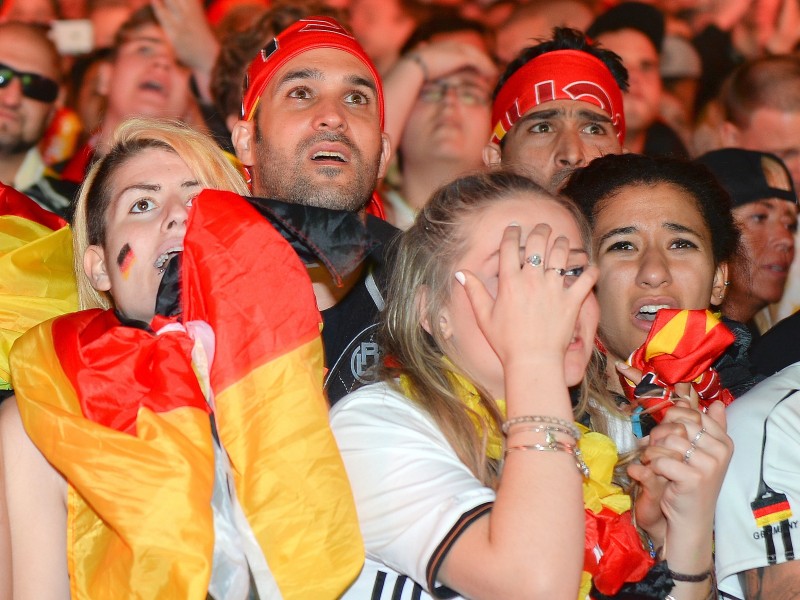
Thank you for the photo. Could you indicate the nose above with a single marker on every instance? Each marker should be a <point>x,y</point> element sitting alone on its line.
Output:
<point>330,114</point>
<point>784,239</point>
<point>176,214</point>
<point>569,150</point>
<point>653,269</point>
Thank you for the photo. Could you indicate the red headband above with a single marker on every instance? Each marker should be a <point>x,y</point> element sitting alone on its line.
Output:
<point>304,35</point>
<point>558,75</point>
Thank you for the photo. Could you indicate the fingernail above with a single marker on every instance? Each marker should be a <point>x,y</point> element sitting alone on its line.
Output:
<point>513,224</point>
<point>621,365</point>
<point>460,277</point>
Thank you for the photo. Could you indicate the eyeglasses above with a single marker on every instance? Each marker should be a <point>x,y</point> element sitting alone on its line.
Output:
<point>467,93</point>
<point>35,87</point>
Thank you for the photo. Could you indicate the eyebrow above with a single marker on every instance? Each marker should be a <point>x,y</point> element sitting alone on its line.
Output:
<point>629,229</point>
<point>319,75</point>
<point>155,187</point>
<point>549,113</point>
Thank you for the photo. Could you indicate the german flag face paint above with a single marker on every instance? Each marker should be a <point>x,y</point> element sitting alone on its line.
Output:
<point>125,260</point>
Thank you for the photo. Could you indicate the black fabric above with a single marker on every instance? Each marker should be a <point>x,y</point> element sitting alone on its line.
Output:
<point>656,584</point>
<point>660,140</point>
<point>735,367</point>
<point>338,239</point>
<point>168,297</point>
<point>55,195</point>
<point>350,327</point>
<point>741,173</point>
<point>778,347</point>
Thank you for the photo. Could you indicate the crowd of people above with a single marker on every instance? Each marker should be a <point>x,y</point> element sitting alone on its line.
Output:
<point>399,299</point>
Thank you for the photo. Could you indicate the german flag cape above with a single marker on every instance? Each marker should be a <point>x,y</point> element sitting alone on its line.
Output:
<point>36,275</point>
<point>120,412</point>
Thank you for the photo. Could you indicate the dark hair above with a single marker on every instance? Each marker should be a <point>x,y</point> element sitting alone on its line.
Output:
<point>768,82</point>
<point>606,176</point>
<point>445,20</point>
<point>238,48</point>
<point>565,38</point>
<point>139,18</point>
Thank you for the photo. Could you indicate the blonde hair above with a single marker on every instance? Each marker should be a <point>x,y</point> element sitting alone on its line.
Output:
<point>420,287</point>
<point>203,157</point>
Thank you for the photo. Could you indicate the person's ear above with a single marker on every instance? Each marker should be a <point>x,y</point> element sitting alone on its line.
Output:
<point>424,318</point>
<point>243,138</point>
<point>492,156</point>
<point>721,283</point>
<point>386,154</point>
<point>94,265</point>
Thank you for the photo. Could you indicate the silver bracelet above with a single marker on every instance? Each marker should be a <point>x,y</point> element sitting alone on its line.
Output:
<point>544,429</point>
<point>554,446</point>
<point>574,431</point>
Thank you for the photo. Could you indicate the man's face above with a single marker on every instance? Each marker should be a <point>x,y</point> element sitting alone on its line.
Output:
<point>640,57</point>
<point>555,138</point>
<point>770,130</point>
<point>316,138</point>
<point>23,120</point>
<point>449,122</point>
<point>146,78</point>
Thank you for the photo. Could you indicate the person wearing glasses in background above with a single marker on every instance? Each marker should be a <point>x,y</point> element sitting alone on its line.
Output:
<point>438,109</point>
<point>30,80</point>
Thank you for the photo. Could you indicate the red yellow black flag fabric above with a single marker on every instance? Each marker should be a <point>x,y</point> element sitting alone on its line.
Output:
<point>122,413</point>
<point>37,281</point>
<point>681,347</point>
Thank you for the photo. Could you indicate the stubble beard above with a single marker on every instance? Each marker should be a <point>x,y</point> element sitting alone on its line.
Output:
<point>282,177</point>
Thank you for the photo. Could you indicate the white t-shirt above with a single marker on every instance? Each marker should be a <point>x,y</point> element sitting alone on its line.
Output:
<point>771,408</point>
<point>413,495</point>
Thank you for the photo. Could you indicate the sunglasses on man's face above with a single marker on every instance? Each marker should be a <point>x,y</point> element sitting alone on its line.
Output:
<point>35,87</point>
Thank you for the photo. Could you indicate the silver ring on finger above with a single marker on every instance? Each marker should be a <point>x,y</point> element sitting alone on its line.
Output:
<point>559,272</point>
<point>534,260</point>
<point>689,452</point>
<point>698,435</point>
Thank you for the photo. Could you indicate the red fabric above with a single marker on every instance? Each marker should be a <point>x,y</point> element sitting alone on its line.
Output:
<point>18,204</point>
<point>304,35</point>
<point>115,369</point>
<point>623,557</point>
<point>228,249</point>
<point>666,360</point>
<point>558,75</point>
<point>76,168</point>
<point>233,251</point>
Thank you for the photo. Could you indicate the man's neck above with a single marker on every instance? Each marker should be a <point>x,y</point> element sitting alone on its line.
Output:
<point>9,167</point>
<point>327,293</point>
<point>420,180</point>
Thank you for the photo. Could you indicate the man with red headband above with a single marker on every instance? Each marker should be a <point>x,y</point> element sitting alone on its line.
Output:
<point>558,106</point>
<point>311,134</point>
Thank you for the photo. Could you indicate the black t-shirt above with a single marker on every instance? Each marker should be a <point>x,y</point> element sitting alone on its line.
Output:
<point>350,326</point>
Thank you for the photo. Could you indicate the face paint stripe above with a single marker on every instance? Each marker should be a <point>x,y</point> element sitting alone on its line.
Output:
<point>125,260</point>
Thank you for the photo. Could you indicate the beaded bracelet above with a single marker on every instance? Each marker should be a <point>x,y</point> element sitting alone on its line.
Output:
<point>545,429</point>
<point>554,446</point>
<point>574,431</point>
<point>413,56</point>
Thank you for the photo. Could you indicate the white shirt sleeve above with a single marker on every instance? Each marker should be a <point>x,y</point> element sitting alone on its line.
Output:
<point>413,495</point>
<point>741,544</point>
